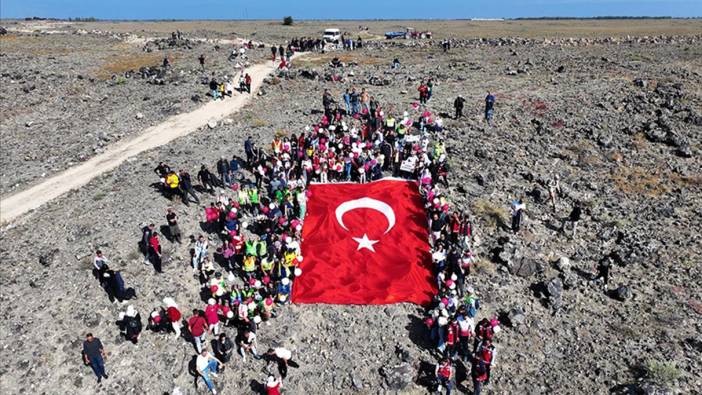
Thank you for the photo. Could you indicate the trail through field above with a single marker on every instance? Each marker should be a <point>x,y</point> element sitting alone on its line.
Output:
<point>19,203</point>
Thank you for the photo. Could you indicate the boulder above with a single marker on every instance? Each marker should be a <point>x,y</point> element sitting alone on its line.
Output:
<point>622,293</point>
<point>554,287</point>
<point>516,316</point>
<point>398,377</point>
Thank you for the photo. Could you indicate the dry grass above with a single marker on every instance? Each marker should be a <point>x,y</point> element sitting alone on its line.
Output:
<point>259,123</point>
<point>492,214</point>
<point>122,63</point>
<point>639,181</point>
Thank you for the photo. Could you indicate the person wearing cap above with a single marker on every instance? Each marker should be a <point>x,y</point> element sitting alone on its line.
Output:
<point>207,364</point>
<point>212,316</point>
<point>197,326</point>
<point>284,291</point>
<point>94,355</point>
<point>223,348</point>
<point>246,341</point>
<point>273,385</point>
<point>282,356</point>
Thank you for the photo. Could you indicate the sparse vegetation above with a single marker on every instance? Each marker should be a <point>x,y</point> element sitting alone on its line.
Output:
<point>490,213</point>
<point>288,21</point>
<point>662,373</point>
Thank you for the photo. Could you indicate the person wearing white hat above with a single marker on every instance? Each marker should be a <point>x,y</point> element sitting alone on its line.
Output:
<point>174,315</point>
<point>212,316</point>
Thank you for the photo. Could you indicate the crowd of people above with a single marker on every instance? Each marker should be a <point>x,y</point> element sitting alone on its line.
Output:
<point>248,256</point>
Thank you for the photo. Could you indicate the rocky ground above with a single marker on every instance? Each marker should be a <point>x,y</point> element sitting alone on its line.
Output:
<point>67,96</point>
<point>620,123</point>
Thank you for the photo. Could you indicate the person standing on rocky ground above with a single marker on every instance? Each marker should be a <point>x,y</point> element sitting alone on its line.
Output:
<point>327,102</point>
<point>197,326</point>
<point>489,107</point>
<point>281,52</point>
<point>247,83</point>
<point>573,218</point>
<point>249,151</point>
<point>223,170</point>
<point>186,186</point>
<point>479,374</point>
<point>155,251</point>
<point>201,59</point>
<point>223,348</point>
<point>274,49</point>
<point>214,87</point>
<point>94,355</point>
<point>423,92</point>
<point>206,179</point>
<point>603,267</point>
<point>283,357</point>
<point>430,89</point>
<point>166,63</point>
<point>458,106</point>
<point>554,189</point>
<point>365,99</point>
<point>347,101</point>
<point>146,233</point>
<point>212,316</point>
<point>173,228</point>
<point>444,374</point>
<point>517,209</point>
<point>100,265</point>
<point>207,364</point>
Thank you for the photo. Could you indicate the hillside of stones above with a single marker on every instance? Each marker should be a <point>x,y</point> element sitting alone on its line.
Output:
<point>66,97</point>
<point>620,128</point>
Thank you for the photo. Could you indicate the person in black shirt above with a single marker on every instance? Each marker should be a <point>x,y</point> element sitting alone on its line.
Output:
<point>186,186</point>
<point>574,218</point>
<point>205,178</point>
<point>202,62</point>
<point>94,354</point>
<point>458,106</point>
<point>146,233</point>
<point>173,229</point>
<point>223,348</point>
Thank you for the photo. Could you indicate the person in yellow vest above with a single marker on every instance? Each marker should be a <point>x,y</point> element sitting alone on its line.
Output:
<point>172,184</point>
<point>250,266</point>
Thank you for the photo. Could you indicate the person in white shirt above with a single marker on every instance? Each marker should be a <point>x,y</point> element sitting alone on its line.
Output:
<point>207,364</point>
<point>283,357</point>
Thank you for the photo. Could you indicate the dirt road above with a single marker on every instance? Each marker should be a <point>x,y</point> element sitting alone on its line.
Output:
<point>19,203</point>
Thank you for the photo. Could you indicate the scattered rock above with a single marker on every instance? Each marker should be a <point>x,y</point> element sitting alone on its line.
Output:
<point>139,115</point>
<point>622,293</point>
<point>212,124</point>
<point>398,377</point>
<point>516,316</point>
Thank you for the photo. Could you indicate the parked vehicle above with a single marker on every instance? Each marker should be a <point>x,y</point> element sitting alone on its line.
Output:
<point>332,36</point>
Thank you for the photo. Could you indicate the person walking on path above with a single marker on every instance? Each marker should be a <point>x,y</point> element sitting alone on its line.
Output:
<point>94,355</point>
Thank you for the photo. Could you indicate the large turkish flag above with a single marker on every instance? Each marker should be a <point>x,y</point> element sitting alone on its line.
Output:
<point>365,244</point>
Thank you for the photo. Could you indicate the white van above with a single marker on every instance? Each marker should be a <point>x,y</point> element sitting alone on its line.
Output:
<point>332,36</point>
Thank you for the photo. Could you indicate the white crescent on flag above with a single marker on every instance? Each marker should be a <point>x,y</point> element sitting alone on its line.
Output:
<point>366,202</point>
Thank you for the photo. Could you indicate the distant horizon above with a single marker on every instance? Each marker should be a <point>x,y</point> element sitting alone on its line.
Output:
<point>544,18</point>
<point>371,10</point>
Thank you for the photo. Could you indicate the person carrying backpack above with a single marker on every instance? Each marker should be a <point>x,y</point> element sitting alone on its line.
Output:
<point>132,324</point>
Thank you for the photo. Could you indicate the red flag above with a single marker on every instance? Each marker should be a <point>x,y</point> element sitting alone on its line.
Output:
<point>365,244</point>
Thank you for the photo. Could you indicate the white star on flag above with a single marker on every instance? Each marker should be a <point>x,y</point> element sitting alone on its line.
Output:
<point>364,242</point>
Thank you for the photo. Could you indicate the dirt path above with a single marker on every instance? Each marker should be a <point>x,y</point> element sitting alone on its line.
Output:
<point>19,203</point>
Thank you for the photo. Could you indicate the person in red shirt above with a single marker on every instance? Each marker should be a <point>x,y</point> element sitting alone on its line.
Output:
<point>155,251</point>
<point>273,385</point>
<point>423,92</point>
<point>197,325</point>
<point>247,82</point>
<point>174,315</point>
